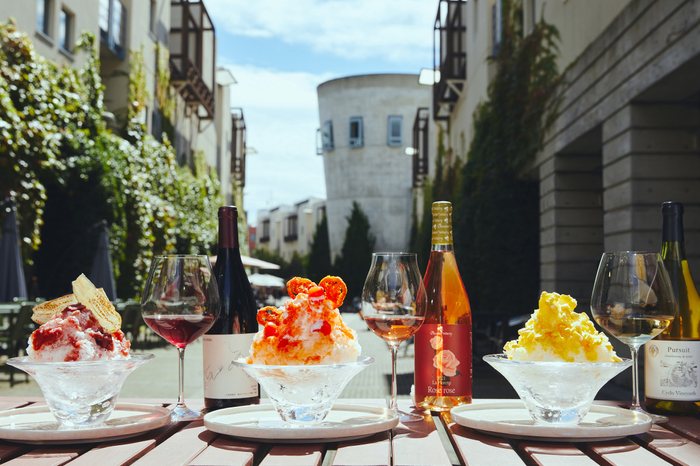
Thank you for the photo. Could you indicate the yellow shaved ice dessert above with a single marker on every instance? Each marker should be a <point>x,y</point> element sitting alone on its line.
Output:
<point>556,333</point>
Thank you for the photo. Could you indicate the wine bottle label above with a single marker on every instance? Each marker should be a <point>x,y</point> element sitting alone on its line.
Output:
<point>671,370</point>
<point>223,380</point>
<point>442,223</point>
<point>443,360</point>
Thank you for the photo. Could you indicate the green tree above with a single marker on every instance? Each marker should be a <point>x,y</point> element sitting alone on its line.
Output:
<point>320,254</point>
<point>356,255</point>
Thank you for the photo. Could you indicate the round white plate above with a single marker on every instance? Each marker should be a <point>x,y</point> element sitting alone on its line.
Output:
<point>511,419</point>
<point>262,423</point>
<point>37,425</point>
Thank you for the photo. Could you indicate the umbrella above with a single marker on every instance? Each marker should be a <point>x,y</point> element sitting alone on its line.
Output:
<point>261,279</point>
<point>12,284</point>
<point>251,262</point>
<point>102,273</point>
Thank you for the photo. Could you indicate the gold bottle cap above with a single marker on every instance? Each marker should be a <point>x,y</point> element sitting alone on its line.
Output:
<point>442,223</point>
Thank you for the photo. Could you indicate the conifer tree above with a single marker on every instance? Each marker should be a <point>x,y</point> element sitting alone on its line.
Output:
<point>356,255</point>
<point>320,254</point>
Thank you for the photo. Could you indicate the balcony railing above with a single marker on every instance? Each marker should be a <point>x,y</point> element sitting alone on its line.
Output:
<point>193,55</point>
<point>291,237</point>
<point>449,56</point>
<point>420,146</point>
<point>238,146</point>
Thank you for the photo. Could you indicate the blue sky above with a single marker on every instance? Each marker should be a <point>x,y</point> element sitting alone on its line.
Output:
<point>279,51</point>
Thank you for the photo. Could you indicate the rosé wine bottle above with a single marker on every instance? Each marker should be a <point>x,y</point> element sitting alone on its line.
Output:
<point>443,346</point>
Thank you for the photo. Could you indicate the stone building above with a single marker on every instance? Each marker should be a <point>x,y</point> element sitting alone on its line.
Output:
<point>365,129</point>
<point>287,229</point>
<point>626,138</point>
<point>202,120</point>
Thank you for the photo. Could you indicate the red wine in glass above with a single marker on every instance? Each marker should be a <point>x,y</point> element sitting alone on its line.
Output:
<point>179,330</point>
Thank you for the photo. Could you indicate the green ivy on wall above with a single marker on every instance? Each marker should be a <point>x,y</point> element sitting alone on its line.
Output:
<point>496,202</point>
<point>67,172</point>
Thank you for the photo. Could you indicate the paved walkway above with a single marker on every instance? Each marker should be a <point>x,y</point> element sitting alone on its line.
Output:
<point>158,378</point>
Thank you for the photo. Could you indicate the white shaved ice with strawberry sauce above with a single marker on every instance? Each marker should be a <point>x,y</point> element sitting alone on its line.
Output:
<point>75,335</point>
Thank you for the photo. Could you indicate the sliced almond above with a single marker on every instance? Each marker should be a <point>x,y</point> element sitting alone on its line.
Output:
<point>44,311</point>
<point>98,302</point>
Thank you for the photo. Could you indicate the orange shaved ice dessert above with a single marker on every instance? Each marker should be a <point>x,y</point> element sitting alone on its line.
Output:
<point>308,329</point>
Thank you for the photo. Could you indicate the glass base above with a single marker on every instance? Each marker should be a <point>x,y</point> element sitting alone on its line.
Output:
<point>655,418</point>
<point>182,413</point>
<point>409,417</point>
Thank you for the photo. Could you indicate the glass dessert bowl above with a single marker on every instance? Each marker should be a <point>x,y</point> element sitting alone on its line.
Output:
<point>304,394</point>
<point>556,392</point>
<point>81,393</point>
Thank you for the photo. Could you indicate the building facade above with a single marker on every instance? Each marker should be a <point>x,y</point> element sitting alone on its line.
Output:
<point>366,125</point>
<point>625,139</point>
<point>289,229</point>
<point>155,29</point>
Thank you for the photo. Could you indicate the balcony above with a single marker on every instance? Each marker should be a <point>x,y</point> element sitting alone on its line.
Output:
<point>193,55</point>
<point>420,146</point>
<point>450,30</point>
<point>238,146</point>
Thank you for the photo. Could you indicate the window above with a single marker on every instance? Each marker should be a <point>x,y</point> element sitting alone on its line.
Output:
<point>290,228</point>
<point>265,235</point>
<point>496,27</point>
<point>356,132</point>
<point>43,16</point>
<point>395,130</point>
<point>112,20</point>
<point>65,31</point>
<point>533,14</point>
<point>152,17</point>
<point>327,136</point>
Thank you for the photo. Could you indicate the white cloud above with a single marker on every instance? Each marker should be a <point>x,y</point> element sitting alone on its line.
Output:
<point>394,30</point>
<point>281,113</point>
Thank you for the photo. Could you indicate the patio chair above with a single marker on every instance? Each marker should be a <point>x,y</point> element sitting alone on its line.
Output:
<point>16,339</point>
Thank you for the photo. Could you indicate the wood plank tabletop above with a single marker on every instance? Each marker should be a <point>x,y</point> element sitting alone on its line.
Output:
<point>434,441</point>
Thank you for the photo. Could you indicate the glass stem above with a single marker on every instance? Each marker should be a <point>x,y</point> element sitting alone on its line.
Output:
<point>181,377</point>
<point>635,380</point>
<point>394,354</point>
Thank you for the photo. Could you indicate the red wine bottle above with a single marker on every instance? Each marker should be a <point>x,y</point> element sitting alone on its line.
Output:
<point>232,334</point>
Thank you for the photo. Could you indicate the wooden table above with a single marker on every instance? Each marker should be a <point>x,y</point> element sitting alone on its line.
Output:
<point>436,441</point>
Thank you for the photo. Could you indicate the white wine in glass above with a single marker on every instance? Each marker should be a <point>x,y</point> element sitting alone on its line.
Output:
<point>633,301</point>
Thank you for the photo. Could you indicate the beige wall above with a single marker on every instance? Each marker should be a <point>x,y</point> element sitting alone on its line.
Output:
<point>309,212</point>
<point>579,22</point>
<point>85,14</point>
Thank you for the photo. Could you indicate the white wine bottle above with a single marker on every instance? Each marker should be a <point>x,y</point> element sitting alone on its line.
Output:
<point>443,361</point>
<point>672,359</point>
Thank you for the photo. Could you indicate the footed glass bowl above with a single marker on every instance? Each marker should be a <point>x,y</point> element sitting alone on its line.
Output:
<point>556,392</point>
<point>304,394</point>
<point>81,393</point>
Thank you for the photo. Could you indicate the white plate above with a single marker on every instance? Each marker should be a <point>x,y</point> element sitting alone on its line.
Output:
<point>37,425</point>
<point>262,423</point>
<point>511,419</point>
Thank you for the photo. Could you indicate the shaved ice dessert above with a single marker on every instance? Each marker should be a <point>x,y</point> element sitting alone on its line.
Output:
<point>83,326</point>
<point>308,329</point>
<point>79,356</point>
<point>74,334</point>
<point>556,333</point>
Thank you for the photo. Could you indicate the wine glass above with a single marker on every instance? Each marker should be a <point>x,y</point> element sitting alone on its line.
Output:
<point>180,303</point>
<point>393,305</point>
<point>633,300</point>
